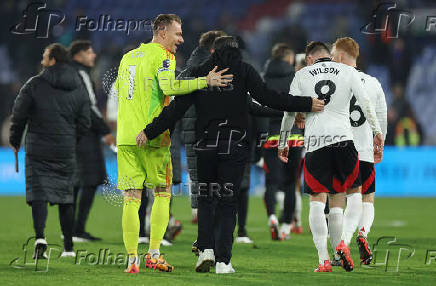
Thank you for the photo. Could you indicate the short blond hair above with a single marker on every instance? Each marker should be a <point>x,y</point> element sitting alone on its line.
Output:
<point>164,20</point>
<point>348,45</point>
<point>281,51</point>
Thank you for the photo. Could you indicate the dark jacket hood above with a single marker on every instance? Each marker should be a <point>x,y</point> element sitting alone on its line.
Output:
<point>229,57</point>
<point>198,56</point>
<point>61,76</point>
<point>278,68</point>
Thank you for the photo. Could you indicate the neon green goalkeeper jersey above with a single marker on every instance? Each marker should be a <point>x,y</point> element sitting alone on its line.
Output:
<point>145,82</point>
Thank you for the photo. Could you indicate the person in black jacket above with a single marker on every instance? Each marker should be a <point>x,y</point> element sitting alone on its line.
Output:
<point>222,132</point>
<point>198,56</point>
<point>91,169</point>
<point>278,75</point>
<point>56,114</point>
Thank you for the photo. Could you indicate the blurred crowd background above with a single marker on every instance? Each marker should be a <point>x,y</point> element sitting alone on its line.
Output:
<point>405,65</point>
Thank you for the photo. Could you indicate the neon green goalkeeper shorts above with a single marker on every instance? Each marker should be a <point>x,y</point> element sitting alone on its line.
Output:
<point>140,168</point>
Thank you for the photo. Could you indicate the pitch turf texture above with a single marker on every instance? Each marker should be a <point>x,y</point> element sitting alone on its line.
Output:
<point>267,262</point>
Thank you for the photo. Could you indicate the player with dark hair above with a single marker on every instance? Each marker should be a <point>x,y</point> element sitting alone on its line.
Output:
<point>145,82</point>
<point>91,168</point>
<point>331,162</point>
<point>56,114</point>
<point>279,176</point>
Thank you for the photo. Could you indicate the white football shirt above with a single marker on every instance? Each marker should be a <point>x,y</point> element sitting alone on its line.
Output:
<point>335,83</point>
<point>362,133</point>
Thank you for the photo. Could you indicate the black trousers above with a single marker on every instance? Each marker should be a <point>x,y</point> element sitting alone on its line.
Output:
<point>87,195</point>
<point>243,211</point>
<point>39,215</point>
<point>281,176</point>
<point>219,178</point>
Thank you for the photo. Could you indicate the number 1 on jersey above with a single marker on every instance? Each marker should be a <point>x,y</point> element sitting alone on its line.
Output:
<point>132,71</point>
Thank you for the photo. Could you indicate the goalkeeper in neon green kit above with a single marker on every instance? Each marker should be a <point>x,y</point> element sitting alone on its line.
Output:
<point>145,82</point>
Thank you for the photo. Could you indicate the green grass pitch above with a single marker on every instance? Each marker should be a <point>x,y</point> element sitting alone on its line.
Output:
<point>411,221</point>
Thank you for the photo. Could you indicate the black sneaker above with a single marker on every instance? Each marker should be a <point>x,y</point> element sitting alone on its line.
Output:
<point>335,262</point>
<point>40,248</point>
<point>173,231</point>
<point>85,237</point>
<point>364,250</point>
<point>195,249</point>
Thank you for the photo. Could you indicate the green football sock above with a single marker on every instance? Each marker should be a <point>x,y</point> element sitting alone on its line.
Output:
<point>160,214</point>
<point>130,224</point>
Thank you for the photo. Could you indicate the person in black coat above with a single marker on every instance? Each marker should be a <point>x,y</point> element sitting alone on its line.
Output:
<point>278,75</point>
<point>91,168</point>
<point>198,56</point>
<point>222,134</point>
<point>56,114</point>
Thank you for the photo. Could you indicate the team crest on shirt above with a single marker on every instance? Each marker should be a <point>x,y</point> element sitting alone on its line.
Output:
<point>166,64</point>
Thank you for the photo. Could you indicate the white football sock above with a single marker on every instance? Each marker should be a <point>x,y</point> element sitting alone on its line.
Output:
<point>352,214</point>
<point>194,212</point>
<point>280,199</point>
<point>272,220</point>
<point>285,228</point>
<point>298,208</point>
<point>336,218</point>
<point>319,229</point>
<point>134,259</point>
<point>155,253</point>
<point>367,218</point>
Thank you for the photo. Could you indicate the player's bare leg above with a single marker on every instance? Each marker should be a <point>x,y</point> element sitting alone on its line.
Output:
<point>158,224</point>
<point>365,224</point>
<point>318,225</point>
<point>130,225</point>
